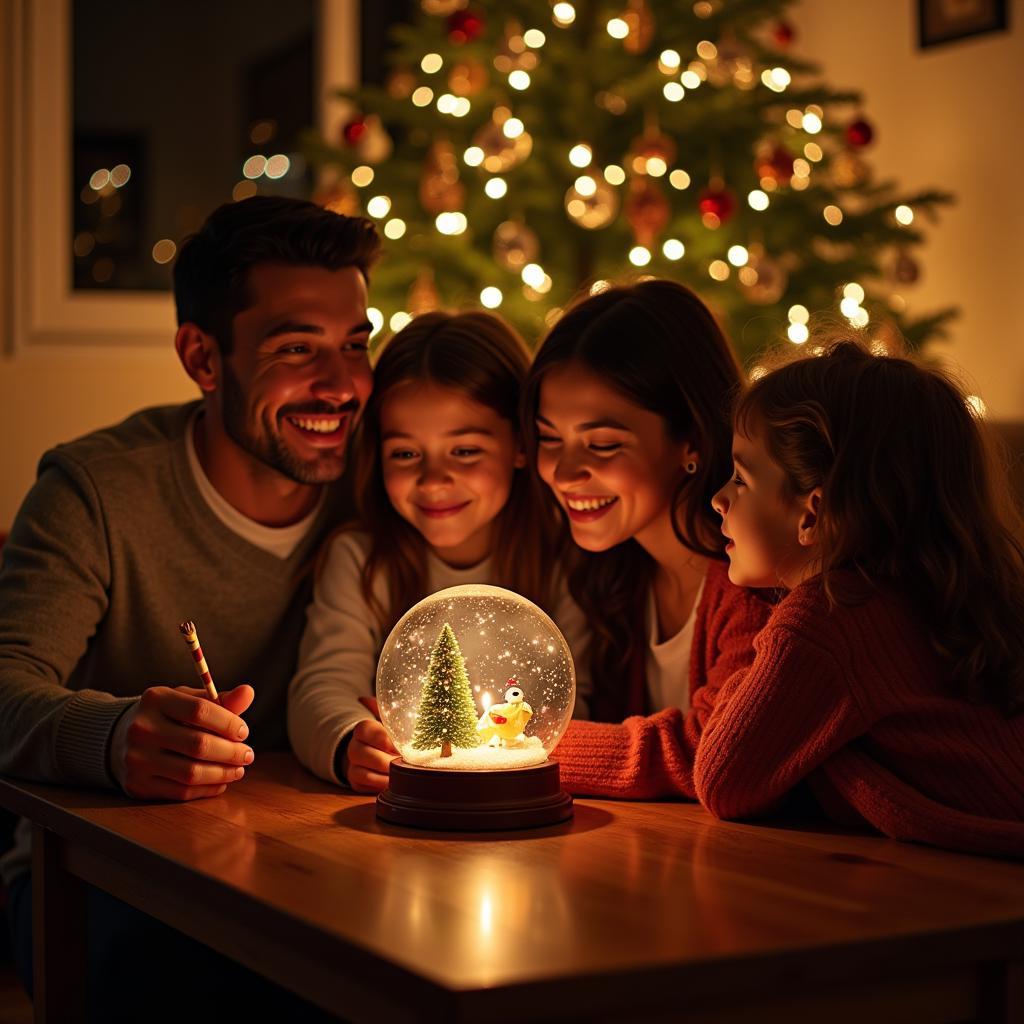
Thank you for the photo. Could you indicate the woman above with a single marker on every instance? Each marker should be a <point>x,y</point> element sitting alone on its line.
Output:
<point>627,411</point>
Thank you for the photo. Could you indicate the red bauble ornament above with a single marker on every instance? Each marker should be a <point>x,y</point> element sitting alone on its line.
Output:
<point>775,162</point>
<point>783,34</point>
<point>859,133</point>
<point>465,26</point>
<point>717,202</point>
<point>904,269</point>
<point>354,130</point>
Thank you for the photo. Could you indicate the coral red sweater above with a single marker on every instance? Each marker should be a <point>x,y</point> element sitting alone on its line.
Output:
<point>855,700</point>
<point>647,757</point>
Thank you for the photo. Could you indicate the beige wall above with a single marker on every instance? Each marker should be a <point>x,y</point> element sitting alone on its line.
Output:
<point>55,396</point>
<point>950,117</point>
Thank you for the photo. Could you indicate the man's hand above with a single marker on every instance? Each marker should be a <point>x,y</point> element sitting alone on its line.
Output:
<point>369,755</point>
<point>176,744</point>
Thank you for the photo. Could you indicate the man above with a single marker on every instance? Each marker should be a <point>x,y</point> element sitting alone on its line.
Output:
<point>210,511</point>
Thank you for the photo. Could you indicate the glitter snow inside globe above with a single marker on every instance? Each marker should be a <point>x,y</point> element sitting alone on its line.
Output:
<point>475,686</point>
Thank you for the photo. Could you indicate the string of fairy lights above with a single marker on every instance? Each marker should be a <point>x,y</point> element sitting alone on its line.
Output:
<point>599,190</point>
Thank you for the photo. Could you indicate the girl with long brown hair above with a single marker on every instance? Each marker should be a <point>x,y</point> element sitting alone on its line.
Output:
<point>891,676</point>
<point>627,412</point>
<point>443,500</point>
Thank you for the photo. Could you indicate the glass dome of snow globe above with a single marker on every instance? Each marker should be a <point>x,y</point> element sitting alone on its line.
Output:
<point>475,686</point>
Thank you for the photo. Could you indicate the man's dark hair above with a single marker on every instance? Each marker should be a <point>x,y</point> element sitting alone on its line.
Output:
<point>212,269</point>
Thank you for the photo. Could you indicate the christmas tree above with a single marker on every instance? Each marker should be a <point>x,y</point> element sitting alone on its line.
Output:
<point>447,714</point>
<point>525,150</point>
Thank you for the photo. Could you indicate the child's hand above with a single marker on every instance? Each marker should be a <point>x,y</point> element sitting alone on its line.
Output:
<point>370,753</point>
<point>175,744</point>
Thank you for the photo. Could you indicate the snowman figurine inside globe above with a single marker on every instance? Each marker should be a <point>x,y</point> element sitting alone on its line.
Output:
<point>475,686</point>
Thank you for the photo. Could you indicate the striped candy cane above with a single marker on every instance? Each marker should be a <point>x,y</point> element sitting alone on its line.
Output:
<point>188,631</point>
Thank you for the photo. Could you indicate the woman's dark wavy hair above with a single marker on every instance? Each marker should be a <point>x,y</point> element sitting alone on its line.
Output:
<point>479,355</point>
<point>915,497</point>
<point>211,273</point>
<point>657,344</point>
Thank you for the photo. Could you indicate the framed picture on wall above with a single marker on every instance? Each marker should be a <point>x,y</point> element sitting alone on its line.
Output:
<point>945,21</point>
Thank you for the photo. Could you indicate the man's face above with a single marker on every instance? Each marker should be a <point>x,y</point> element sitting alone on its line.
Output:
<point>298,376</point>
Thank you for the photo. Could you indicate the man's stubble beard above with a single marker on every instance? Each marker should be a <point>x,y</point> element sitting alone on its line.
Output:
<point>268,447</point>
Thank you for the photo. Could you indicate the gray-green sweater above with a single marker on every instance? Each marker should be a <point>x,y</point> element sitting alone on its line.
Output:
<point>112,548</point>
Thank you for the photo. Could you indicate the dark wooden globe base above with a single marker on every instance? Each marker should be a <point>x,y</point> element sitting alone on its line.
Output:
<point>474,801</point>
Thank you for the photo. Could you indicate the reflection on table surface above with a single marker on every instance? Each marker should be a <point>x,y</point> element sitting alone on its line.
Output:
<point>623,886</point>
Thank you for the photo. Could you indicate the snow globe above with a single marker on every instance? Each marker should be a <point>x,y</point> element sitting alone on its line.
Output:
<point>475,686</point>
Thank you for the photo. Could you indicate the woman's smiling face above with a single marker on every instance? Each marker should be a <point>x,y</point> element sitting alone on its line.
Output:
<point>610,463</point>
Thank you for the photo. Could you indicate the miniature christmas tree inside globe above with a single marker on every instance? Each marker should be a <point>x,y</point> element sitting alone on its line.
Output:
<point>475,678</point>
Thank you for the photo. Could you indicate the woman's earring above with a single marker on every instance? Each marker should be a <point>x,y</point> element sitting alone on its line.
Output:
<point>691,467</point>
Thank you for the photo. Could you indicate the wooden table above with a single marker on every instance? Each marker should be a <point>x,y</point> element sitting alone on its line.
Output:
<point>633,911</point>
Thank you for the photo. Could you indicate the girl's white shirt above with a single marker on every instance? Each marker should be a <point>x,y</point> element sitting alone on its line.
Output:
<point>668,663</point>
<point>342,641</point>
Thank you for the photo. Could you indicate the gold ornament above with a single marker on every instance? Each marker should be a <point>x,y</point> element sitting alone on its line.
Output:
<point>641,27</point>
<point>652,145</point>
<point>744,76</point>
<point>440,188</point>
<point>595,207</point>
<point>763,279</point>
<point>374,144</point>
<point>500,152</point>
<point>848,169</point>
<point>515,245</point>
<point>647,210</point>
<point>468,77</point>
<point>514,54</point>
<point>732,63</point>
<point>612,102</point>
<point>423,296</point>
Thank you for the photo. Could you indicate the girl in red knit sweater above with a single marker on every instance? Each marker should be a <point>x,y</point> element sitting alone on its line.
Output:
<point>891,676</point>
<point>628,403</point>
